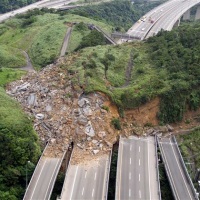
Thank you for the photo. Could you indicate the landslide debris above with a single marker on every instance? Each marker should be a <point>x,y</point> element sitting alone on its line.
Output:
<point>63,114</point>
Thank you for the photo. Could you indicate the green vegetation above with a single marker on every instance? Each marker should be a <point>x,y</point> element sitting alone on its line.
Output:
<point>189,145</point>
<point>166,192</point>
<point>175,57</point>
<point>40,34</point>
<point>116,123</point>
<point>113,172</point>
<point>166,66</point>
<point>11,57</point>
<point>19,144</point>
<point>8,75</point>
<point>120,14</point>
<point>9,5</point>
<point>94,38</point>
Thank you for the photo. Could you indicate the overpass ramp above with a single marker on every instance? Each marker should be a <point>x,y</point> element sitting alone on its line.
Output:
<point>180,182</point>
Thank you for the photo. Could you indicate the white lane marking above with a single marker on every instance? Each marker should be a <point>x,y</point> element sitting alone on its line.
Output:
<point>139,177</point>
<point>180,170</point>
<point>139,162</point>
<point>140,194</point>
<point>129,192</point>
<point>129,175</point>
<point>38,179</point>
<point>162,149</point>
<point>139,148</point>
<point>149,172</point>
<point>83,191</point>
<point>50,181</point>
<point>93,192</point>
<point>130,147</point>
<point>85,174</point>
<point>73,183</point>
<point>130,161</point>
<point>95,176</point>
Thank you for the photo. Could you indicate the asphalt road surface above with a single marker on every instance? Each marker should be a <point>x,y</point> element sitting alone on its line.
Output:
<point>87,181</point>
<point>136,170</point>
<point>43,180</point>
<point>39,4</point>
<point>177,177</point>
<point>161,17</point>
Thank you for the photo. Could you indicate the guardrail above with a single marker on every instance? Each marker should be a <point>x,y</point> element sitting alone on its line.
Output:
<point>105,34</point>
<point>35,169</point>
<point>156,149</point>
<point>167,172</point>
<point>108,174</point>
<point>185,169</point>
<point>58,170</point>
<point>117,174</point>
<point>58,198</point>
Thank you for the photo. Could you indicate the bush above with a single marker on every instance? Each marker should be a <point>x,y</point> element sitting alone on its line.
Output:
<point>116,123</point>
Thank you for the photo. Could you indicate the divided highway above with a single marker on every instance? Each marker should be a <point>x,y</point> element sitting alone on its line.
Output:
<point>87,180</point>
<point>137,169</point>
<point>181,187</point>
<point>162,17</point>
<point>39,4</point>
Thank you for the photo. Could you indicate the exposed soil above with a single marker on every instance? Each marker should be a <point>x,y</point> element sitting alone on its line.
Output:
<point>63,114</point>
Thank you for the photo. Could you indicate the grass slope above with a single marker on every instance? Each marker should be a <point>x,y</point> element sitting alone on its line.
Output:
<point>40,34</point>
<point>8,75</point>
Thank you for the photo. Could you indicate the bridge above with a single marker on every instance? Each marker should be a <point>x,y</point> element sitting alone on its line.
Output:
<point>44,176</point>
<point>87,179</point>
<point>163,17</point>
<point>137,169</point>
<point>179,179</point>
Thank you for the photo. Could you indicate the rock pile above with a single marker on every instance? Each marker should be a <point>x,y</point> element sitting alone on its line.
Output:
<point>62,114</point>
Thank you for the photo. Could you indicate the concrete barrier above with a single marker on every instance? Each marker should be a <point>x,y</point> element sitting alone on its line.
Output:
<point>185,169</point>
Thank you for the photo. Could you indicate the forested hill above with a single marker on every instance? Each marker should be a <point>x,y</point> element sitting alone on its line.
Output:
<point>121,14</point>
<point>176,54</point>
<point>8,5</point>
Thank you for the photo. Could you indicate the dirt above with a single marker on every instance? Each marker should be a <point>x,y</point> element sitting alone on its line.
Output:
<point>63,114</point>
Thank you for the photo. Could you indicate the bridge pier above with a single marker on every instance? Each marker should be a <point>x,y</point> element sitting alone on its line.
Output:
<point>186,15</point>
<point>197,15</point>
<point>177,22</point>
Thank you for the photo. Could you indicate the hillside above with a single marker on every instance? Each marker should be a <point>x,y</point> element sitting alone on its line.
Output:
<point>19,144</point>
<point>131,88</point>
<point>40,34</point>
<point>119,14</point>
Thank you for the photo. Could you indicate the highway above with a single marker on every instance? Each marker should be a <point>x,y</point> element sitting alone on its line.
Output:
<point>87,180</point>
<point>162,17</point>
<point>136,169</point>
<point>43,179</point>
<point>39,4</point>
<point>181,188</point>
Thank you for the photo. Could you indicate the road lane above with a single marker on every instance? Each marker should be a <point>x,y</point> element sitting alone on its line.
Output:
<point>136,178</point>
<point>88,180</point>
<point>176,173</point>
<point>42,183</point>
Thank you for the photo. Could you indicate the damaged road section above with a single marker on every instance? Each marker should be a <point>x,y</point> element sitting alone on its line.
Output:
<point>62,114</point>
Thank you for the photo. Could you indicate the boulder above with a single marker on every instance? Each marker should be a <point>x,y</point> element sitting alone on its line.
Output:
<point>39,116</point>
<point>83,102</point>
<point>48,108</point>
<point>87,111</point>
<point>95,151</point>
<point>81,120</point>
<point>89,130</point>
